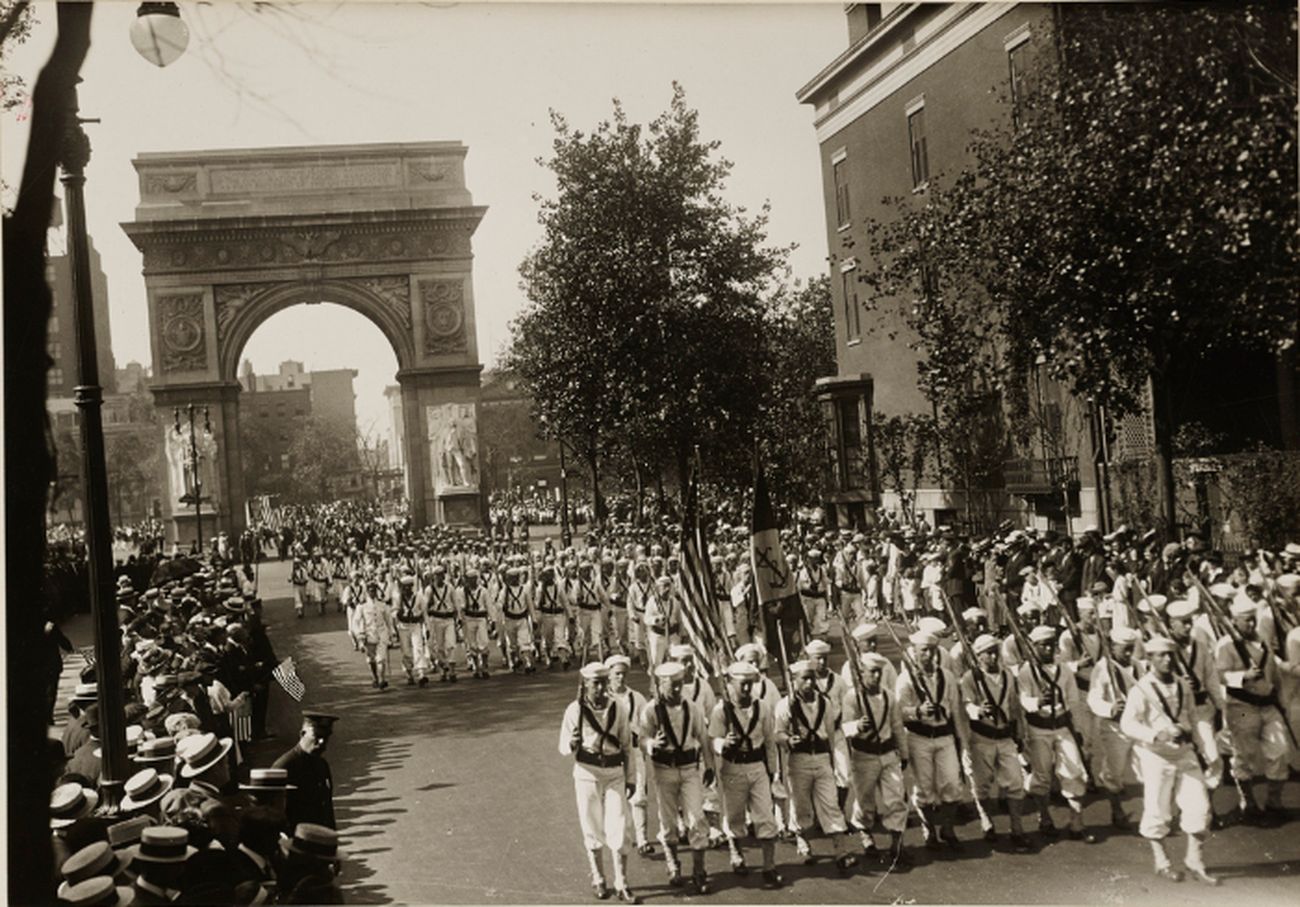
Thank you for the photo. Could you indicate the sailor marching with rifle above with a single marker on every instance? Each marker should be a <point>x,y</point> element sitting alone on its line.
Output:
<point>805,726</point>
<point>1112,679</point>
<point>514,602</point>
<point>1159,715</point>
<point>590,606</point>
<point>674,733</point>
<point>1047,694</point>
<point>743,735</point>
<point>634,703</point>
<point>410,616</point>
<point>928,697</point>
<point>440,604</point>
<point>814,592</point>
<point>597,732</point>
<point>992,702</point>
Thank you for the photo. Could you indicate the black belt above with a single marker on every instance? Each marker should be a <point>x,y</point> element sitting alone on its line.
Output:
<point>928,730</point>
<point>409,620</point>
<point>1201,697</point>
<point>1047,724</point>
<point>1253,698</point>
<point>812,747</point>
<point>675,759</point>
<point>602,760</point>
<point>551,610</point>
<point>1082,682</point>
<point>443,616</point>
<point>852,590</point>
<point>743,757</point>
<point>812,594</point>
<point>585,607</point>
<point>988,730</point>
<point>874,747</point>
<point>509,616</point>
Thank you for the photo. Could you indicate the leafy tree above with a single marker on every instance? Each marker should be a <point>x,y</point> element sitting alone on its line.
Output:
<point>800,348</point>
<point>905,452</point>
<point>318,453</point>
<point>1138,211</point>
<point>646,306</point>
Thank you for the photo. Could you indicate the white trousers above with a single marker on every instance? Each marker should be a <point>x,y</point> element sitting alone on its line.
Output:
<point>602,806</point>
<point>1168,783</point>
<point>681,790</point>
<point>746,786</point>
<point>813,795</point>
<point>880,792</point>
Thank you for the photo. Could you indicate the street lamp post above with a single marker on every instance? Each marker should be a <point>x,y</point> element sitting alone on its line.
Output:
<point>197,492</point>
<point>89,398</point>
<point>566,537</point>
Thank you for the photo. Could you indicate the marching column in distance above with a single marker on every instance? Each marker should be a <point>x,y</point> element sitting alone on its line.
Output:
<point>1112,679</point>
<point>995,725</point>
<point>742,731</point>
<point>935,724</point>
<point>634,703</point>
<point>553,625</point>
<point>1160,715</point>
<point>1047,691</point>
<point>674,733</point>
<point>639,591</point>
<point>590,608</point>
<point>874,730</point>
<point>597,732</point>
<point>659,614</point>
<point>440,608</point>
<point>805,725</point>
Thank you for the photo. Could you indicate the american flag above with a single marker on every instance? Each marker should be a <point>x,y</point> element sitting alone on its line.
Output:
<point>700,615</point>
<point>287,677</point>
<point>241,720</point>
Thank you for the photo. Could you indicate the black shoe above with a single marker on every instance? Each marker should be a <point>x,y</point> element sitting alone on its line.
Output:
<point>948,837</point>
<point>1082,834</point>
<point>1272,817</point>
<point>675,879</point>
<point>846,863</point>
<point>452,677</point>
<point>627,897</point>
<point>739,867</point>
<point>601,891</point>
<point>646,850</point>
<point>424,681</point>
<point>1169,873</point>
<point>1200,875</point>
<point>1120,822</point>
<point>700,882</point>
<point>383,684</point>
<point>772,879</point>
<point>990,835</point>
<point>410,681</point>
<point>1021,844</point>
<point>1047,829</point>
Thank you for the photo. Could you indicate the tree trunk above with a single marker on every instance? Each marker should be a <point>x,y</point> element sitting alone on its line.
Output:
<point>27,304</point>
<point>1162,420</point>
<point>598,510</point>
<point>661,496</point>
<point>638,516</point>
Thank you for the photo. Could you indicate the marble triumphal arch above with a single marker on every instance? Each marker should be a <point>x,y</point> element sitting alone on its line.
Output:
<point>229,238</point>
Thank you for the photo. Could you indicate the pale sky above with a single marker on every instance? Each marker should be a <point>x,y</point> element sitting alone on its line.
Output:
<point>484,75</point>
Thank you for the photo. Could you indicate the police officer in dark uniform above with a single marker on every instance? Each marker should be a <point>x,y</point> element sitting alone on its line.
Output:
<point>313,799</point>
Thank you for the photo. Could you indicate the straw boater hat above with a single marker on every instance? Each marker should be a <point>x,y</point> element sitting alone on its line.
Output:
<point>96,859</point>
<point>159,749</point>
<point>85,692</point>
<point>201,752</point>
<point>97,891</point>
<point>145,788</point>
<point>311,840</point>
<point>70,802</point>
<point>268,780</point>
<point>163,844</point>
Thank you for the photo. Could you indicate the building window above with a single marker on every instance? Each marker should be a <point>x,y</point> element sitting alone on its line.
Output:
<point>852,310</point>
<point>1016,63</point>
<point>840,171</point>
<point>56,377</point>
<point>852,439</point>
<point>916,142</point>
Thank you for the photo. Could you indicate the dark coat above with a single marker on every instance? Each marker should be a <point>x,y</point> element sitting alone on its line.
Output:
<point>313,801</point>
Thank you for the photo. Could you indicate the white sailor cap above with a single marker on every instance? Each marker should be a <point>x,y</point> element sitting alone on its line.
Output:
<point>1243,607</point>
<point>875,660</point>
<point>1158,644</point>
<point>742,670</point>
<point>751,649</point>
<point>618,661</point>
<point>817,647</point>
<point>1288,583</point>
<point>1181,608</point>
<point>680,651</point>
<point>670,670</point>
<point>932,625</point>
<point>923,638</point>
<point>802,667</point>
<point>984,642</point>
<point>1042,634</point>
<point>973,614</point>
<point>1223,590</point>
<point>1124,636</point>
<point>593,670</point>
<point>865,630</point>
<point>1085,603</point>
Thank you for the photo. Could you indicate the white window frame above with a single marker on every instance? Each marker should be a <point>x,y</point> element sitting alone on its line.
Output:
<point>853,339</point>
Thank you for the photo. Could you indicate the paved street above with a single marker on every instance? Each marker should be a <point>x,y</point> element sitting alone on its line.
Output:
<point>456,794</point>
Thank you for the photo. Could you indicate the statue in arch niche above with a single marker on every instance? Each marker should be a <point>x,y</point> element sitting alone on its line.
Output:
<point>453,447</point>
<point>180,466</point>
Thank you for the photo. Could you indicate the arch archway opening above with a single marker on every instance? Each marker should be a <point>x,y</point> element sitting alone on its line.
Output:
<point>320,410</point>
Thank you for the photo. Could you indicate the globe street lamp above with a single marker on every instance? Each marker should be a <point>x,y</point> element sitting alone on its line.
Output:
<point>158,33</point>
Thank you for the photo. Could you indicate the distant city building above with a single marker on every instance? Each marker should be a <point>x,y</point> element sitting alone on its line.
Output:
<point>513,453</point>
<point>132,378</point>
<point>62,345</point>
